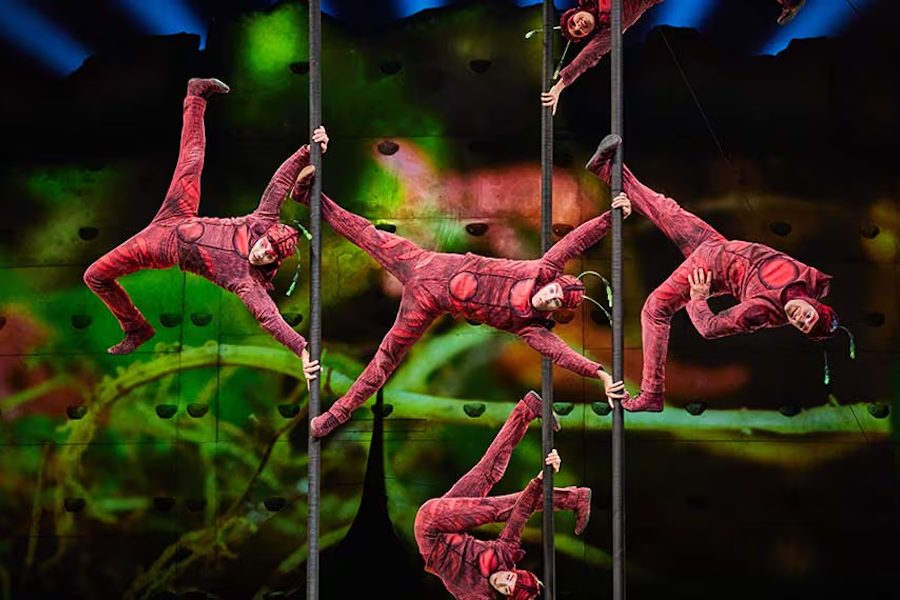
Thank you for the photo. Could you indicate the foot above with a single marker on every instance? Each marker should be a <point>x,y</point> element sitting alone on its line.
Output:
<point>582,510</point>
<point>324,424</point>
<point>644,402</point>
<point>133,340</point>
<point>536,404</point>
<point>790,10</point>
<point>604,152</point>
<point>301,189</point>
<point>206,87</point>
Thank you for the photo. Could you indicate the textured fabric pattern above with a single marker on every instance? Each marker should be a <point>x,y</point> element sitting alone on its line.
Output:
<point>463,562</point>
<point>216,249</point>
<point>493,291</point>
<point>759,277</point>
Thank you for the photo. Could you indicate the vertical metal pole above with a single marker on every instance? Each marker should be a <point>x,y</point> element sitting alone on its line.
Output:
<point>618,313</point>
<point>315,299</point>
<point>549,550</point>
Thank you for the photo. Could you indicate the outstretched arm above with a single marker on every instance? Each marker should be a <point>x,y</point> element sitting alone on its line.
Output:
<point>583,237</point>
<point>577,241</point>
<point>550,345</point>
<point>600,45</point>
<point>283,179</point>
<point>266,312</point>
<point>280,184</point>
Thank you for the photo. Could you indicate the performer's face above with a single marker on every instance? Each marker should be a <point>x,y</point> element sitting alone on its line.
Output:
<point>801,314</point>
<point>262,252</point>
<point>581,24</point>
<point>504,582</point>
<point>548,298</point>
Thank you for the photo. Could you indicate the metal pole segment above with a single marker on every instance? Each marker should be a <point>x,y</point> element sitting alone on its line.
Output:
<point>549,550</point>
<point>618,312</point>
<point>315,299</point>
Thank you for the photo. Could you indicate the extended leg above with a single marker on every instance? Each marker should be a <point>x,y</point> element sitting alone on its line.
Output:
<point>396,254</point>
<point>183,197</point>
<point>415,315</point>
<point>490,469</point>
<point>140,252</point>
<point>656,320</point>
<point>458,514</point>
<point>684,228</point>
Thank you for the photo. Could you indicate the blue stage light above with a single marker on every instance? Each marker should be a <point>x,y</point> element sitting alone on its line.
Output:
<point>406,8</point>
<point>40,38</point>
<point>816,19</point>
<point>165,17</point>
<point>681,13</point>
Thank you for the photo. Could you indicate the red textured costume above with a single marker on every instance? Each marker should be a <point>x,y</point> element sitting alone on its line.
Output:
<point>492,291</point>
<point>600,44</point>
<point>216,249</point>
<point>465,563</point>
<point>762,279</point>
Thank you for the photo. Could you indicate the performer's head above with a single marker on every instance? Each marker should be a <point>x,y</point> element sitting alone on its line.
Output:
<point>818,321</point>
<point>517,584</point>
<point>576,24</point>
<point>566,291</point>
<point>279,242</point>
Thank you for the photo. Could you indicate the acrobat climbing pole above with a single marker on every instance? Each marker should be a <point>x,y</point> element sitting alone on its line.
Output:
<point>549,553</point>
<point>618,312</point>
<point>315,299</point>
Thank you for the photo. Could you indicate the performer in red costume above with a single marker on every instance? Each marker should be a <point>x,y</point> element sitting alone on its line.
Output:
<point>240,254</point>
<point>589,16</point>
<point>772,288</point>
<point>513,295</point>
<point>474,569</point>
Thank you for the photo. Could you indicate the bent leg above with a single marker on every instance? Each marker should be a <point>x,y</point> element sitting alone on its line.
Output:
<point>490,469</point>
<point>457,514</point>
<point>656,319</point>
<point>140,252</point>
<point>183,197</point>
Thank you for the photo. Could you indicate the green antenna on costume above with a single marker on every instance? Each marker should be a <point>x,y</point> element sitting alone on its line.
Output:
<point>308,236</point>
<point>609,294</point>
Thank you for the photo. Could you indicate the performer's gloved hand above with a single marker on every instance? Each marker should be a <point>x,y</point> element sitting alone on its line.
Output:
<point>553,460</point>
<point>614,391</point>
<point>310,367</point>
<point>551,98</point>
<point>700,280</point>
<point>321,137</point>
<point>622,201</point>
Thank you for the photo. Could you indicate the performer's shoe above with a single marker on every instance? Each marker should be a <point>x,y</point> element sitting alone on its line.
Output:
<point>644,402</point>
<point>133,339</point>
<point>327,422</point>
<point>790,10</point>
<point>536,404</point>
<point>206,87</point>
<point>582,510</point>
<point>303,185</point>
<point>604,152</point>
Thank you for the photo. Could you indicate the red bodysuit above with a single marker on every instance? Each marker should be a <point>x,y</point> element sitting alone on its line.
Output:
<point>493,291</point>
<point>600,44</point>
<point>463,562</point>
<point>216,249</point>
<point>760,278</point>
